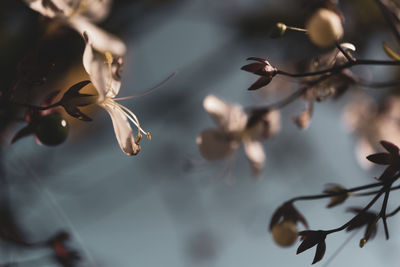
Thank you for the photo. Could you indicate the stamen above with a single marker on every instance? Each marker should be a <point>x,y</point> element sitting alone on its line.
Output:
<point>109,62</point>
<point>132,117</point>
<point>147,91</point>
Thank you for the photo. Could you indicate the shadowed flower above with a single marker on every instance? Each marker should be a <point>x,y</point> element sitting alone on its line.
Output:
<point>372,123</point>
<point>311,238</point>
<point>332,87</point>
<point>105,73</point>
<point>392,159</point>
<point>283,224</point>
<point>81,16</point>
<point>364,218</point>
<point>233,129</point>
<point>340,195</point>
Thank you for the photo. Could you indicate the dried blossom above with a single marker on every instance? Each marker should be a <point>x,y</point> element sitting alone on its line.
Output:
<point>392,159</point>
<point>364,218</point>
<point>340,194</point>
<point>283,224</point>
<point>261,68</point>
<point>287,212</point>
<point>233,129</point>
<point>332,87</point>
<point>372,123</point>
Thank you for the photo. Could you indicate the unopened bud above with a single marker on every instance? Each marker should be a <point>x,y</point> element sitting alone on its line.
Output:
<point>285,233</point>
<point>324,28</point>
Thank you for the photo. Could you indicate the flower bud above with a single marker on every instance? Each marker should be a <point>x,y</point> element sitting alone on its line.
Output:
<point>324,28</point>
<point>278,30</point>
<point>285,233</point>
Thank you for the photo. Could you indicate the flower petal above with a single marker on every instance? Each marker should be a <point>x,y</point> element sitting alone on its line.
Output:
<point>122,128</point>
<point>230,118</point>
<point>215,144</point>
<point>255,153</point>
<point>96,11</point>
<point>50,8</point>
<point>303,120</point>
<point>101,73</point>
<point>267,126</point>
<point>101,40</point>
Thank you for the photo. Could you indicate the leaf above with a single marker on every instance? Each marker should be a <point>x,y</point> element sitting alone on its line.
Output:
<point>393,55</point>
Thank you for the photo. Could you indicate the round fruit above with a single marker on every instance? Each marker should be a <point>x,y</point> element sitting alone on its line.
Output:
<point>52,129</point>
<point>285,233</point>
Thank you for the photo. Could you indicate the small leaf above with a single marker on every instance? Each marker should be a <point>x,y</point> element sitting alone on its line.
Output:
<point>393,55</point>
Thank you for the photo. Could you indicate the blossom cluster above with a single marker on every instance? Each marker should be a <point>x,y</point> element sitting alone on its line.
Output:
<point>102,59</point>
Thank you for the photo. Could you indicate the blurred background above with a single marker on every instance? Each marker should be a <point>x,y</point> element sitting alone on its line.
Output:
<point>168,206</point>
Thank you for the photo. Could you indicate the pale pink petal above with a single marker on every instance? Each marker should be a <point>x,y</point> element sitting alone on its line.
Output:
<point>215,144</point>
<point>255,153</point>
<point>50,8</point>
<point>101,40</point>
<point>229,117</point>
<point>95,10</point>
<point>105,81</point>
<point>303,120</point>
<point>122,128</point>
<point>267,127</point>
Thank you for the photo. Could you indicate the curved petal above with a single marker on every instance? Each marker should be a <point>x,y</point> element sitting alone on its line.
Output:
<point>101,40</point>
<point>215,144</point>
<point>122,128</point>
<point>95,10</point>
<point>101,72</point>
<point>268,126</point>
<point>255,153</point>
<point>50,8</point>
<point>230,118</point>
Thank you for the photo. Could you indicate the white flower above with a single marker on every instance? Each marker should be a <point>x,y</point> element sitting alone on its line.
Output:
<point>104,70</point>
<point>217,143</point>
<point>81,16</point>
<point>324,28</point>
